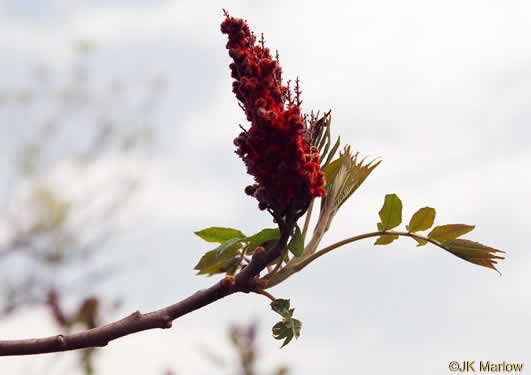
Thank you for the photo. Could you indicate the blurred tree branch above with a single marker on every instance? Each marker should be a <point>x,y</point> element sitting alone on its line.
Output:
<point>243,340</point>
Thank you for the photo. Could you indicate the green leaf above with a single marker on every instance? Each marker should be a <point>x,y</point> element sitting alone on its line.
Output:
<point>265,235</point>
<point>227,245</point>
<point>296,245</point>
<point>287,330</point>
<point>280,331</point>
<point>296,326</point>
<point>210,264</point>
<point>386,239</point>
<point>280,306</point>
<point>218,234</point>
<point>449,231</point>
<point>391,212</point>
<point>473,252</point>
<point>421,242</point>
<point>422,220</point>
<point>331,170</point>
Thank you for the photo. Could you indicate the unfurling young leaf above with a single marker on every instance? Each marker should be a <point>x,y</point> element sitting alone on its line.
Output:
<point>281,306</point>
<point>331,171</point>
<point>287,330</point>
<point>351,174</point>
<point>391,212</point>
<point>281,331</point>
<point>218,234</point>
<point>288,327</point>
<point>422,220</point>
<point>449,231</point>
<point>386,239</point>
<point>296,245</point>
<point>332,152</point>
<point>318,130</point>
<point>473,252</point>
<point>296,326</point>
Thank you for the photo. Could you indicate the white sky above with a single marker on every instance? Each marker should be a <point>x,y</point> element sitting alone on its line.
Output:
<point>439,90</point>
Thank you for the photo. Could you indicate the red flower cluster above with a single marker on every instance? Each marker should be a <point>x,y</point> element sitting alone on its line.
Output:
<point>285,167</point>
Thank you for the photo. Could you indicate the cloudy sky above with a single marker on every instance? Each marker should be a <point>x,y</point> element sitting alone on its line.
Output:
<point>439,90</point>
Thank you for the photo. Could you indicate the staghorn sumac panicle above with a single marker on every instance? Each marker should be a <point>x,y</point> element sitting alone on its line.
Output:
<point>275,148</point>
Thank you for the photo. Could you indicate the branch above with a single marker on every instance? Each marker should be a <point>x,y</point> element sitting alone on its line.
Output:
<point>289,270</point>
<point>244,281</point>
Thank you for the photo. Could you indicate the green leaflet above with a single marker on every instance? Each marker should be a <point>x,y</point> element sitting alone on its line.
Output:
<point>296,245</point>
<point>391,212</point>
<point>227,245</point>
<point>219,234</point>
<point>420,242</point>
<point>227,256</point>
<point>265,235</point>
<point>385,239</point>
<point>422,220</point>
<point>449,231</point>
<point>281,306</point>
<point>210,264</point>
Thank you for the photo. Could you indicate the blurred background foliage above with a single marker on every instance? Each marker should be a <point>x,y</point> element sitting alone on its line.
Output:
<point>56,214</point>
<point>243,342</point>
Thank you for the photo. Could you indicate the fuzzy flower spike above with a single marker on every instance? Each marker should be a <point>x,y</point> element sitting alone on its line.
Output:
<point>275,150</point>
